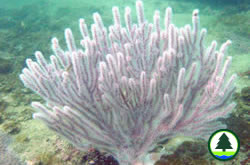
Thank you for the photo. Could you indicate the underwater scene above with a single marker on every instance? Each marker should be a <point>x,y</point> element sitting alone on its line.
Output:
<point>124,82</point>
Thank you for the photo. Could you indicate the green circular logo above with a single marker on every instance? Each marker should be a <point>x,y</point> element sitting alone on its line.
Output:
<point>223,144</point>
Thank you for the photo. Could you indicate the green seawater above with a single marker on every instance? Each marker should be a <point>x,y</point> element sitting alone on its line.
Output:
<point>29,25</point>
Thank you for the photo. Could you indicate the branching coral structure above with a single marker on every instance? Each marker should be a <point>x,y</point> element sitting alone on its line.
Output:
<point>129,87</point>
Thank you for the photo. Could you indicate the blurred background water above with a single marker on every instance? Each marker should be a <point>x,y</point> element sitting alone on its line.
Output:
<point>28,25</point>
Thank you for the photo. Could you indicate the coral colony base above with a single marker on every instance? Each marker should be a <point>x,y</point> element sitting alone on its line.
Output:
<point>131,86</point>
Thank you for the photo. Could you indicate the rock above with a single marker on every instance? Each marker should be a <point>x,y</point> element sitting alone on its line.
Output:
<point>6,66</point>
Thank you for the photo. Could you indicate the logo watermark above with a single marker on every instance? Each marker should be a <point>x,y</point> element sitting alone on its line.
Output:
<point>224,144</point>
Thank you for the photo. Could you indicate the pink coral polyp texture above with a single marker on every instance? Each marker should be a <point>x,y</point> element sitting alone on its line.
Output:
<point>130,86</point>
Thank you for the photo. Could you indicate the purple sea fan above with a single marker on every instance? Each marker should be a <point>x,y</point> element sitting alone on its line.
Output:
<point>130,87</point>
